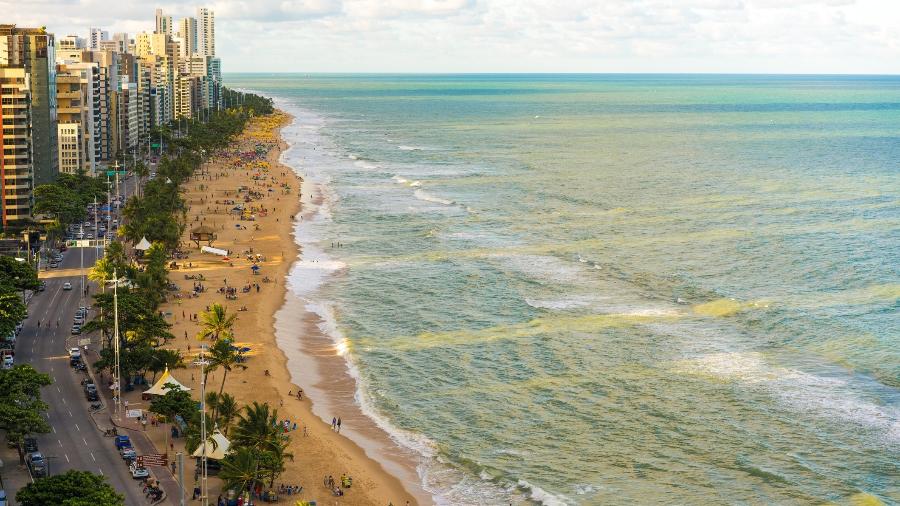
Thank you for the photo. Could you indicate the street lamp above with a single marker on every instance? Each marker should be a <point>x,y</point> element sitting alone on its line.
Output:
<point>204,489</point>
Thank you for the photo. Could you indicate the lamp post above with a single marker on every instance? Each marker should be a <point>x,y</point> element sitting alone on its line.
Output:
<point>204,488</point>
<point>118,380</point>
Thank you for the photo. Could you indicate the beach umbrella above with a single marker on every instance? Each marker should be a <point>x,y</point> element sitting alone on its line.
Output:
<point>255,267</point>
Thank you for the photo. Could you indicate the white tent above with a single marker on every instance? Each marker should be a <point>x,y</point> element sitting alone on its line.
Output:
<point>144,245</point>
<point>218,449</point>
<point>166,379</point>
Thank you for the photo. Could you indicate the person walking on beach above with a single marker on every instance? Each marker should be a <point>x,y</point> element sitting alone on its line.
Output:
<point>333,423</point>
<point>339,424</point>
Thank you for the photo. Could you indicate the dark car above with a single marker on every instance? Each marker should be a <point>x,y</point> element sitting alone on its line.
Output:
<point>37,464</point>
<point>30,445</point>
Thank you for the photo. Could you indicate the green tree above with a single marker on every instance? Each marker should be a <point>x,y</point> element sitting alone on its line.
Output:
<point>216,323</point>
<point>175,402</point>
<point>12,311</point>
<point>224,355</point>
<point>225,410</point>
<point>60,202</point>
<point>17,275</point>
<point>72,488</point>
<point>258,428</point>
<point>153,280</point>
<point>21,407</point>
<point>240,469</point>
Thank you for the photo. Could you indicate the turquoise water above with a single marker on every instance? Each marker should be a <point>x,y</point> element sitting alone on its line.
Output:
<point>613,289</point>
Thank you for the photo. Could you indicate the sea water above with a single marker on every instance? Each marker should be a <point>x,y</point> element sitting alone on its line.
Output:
<point>627,289</point>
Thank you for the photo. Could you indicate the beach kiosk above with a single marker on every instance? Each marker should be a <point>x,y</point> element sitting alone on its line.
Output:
<point>218,449</point>
<point>165,384</point>
<point>143,245</point>
<point>203,233</point>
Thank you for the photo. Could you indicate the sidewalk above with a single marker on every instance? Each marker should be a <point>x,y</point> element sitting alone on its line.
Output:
<point>105,418</point>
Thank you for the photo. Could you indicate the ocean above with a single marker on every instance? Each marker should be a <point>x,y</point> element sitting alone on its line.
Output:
<point>611,289</point>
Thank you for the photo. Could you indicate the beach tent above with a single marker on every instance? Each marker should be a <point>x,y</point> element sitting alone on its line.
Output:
<point>214,251</point>
<point>166,383</point>
<point>144,245</point>
<point>219,448</point>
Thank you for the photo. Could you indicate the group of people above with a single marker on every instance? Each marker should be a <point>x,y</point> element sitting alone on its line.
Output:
<point>289,489</point>
<point>336,424</point>
<point>337,489</point>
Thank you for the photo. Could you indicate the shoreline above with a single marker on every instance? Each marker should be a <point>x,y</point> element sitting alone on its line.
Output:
<point>268,377</point>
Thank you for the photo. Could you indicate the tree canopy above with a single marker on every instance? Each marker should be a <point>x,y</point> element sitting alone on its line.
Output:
<point>72,488</point>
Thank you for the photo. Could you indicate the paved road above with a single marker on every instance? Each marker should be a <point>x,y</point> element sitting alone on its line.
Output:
<point>74,442</point>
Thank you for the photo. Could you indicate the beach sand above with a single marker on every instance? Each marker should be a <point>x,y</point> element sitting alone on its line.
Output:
<point>267,378</point>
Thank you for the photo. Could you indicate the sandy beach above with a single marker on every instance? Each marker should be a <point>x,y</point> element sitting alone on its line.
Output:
<point>318,450</point>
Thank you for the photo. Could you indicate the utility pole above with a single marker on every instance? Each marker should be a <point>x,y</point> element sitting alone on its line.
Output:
<point>180,458</point>
<point>204,488</point>
<point>118,379</point>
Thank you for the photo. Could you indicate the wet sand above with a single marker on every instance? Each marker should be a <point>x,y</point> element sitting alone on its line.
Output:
<point>317,368</point>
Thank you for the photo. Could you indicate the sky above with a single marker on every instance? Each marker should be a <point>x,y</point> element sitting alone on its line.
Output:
<point>727,36</point>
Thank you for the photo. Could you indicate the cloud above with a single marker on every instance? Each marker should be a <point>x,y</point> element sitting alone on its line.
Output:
<point>518,35</point>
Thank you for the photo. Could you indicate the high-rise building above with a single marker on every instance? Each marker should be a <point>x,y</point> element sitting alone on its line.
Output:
<point>15,158</point>
<point>70,42</point>
<point>70,97</point>
<point>187,32</point>
<point>33,50</point>
<point>97,35</point>
<point>163,23</point>
<point>206,32</point>
<point>122,40</point>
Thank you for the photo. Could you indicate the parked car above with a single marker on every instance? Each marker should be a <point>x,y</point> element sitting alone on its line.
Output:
<point>123,442</point>
<point>90,391</point>
<point>3,497</point>
<point>7,361</point>
<point>76,330</point>
<point>37,464</point>
<point>128,454</point>
<point>67,286</point>
<point>138,472</point>
<point>30,445</point>
<point>42,286</point>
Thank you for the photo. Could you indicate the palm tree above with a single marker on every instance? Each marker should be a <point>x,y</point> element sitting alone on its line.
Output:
<point>224,355</point>
<point>227,410</point>
<point>216,323</point>
<point>272,462</point>
<point>224,408</point>
<point>240,469</point>
<point>258,428</point>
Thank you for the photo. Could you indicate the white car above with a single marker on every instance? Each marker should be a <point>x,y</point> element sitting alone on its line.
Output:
<point>67,286</point>
<point>138,472</point>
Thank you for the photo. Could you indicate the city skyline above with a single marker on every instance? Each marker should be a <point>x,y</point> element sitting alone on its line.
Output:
<point>434,36</point>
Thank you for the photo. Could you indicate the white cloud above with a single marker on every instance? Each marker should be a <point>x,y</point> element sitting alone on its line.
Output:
<point>518,35</point>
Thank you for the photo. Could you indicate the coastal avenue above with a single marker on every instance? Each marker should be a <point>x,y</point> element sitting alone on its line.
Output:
<point>74,442</point>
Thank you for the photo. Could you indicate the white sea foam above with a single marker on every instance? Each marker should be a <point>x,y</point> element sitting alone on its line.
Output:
<point>366,165</point>
<point>822,396</point>
<point>541,496</point>
<point>447,484</point>
<point>404,147</point>
<point>427,197</point>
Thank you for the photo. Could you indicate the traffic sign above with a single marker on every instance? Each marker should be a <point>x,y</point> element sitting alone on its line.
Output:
<point>157,459</point>
<point>114,172</point>
<point>154,144</point>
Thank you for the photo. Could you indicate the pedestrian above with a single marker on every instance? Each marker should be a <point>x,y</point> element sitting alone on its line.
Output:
<point>339,425</point>
<point>196,493</point>
<point>305,432</point>
<point>333,423</point>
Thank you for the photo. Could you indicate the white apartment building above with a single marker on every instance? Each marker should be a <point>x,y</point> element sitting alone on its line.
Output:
<point>97,35</point>
<point>206,32</point>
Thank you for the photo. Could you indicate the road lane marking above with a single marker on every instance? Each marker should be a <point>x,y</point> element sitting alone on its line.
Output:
<point>60,442</point>
<point>77,428</point>
<point>101,471</point>
<point>92,457</point>
<point>64,400</point>
<point>70,412</point>
<point>67,457</point>
<point>54,429</point>
<point>58,390</point>
<point>85,441</point>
